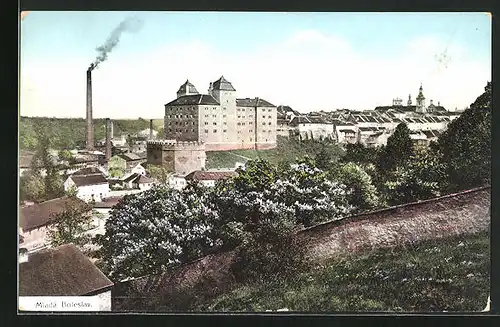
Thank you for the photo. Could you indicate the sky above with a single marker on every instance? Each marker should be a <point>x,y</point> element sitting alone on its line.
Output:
<point>308,61</point>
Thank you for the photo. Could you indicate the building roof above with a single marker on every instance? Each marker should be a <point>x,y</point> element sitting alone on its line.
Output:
<point>195,99</point>
<point>129,156</point>
<point>25,161</point>
<point>256,102</point>
<point>347,131</point>
<point>61,271</point>
<point>145,180</point>
<point>108,202</point>
<point>200,175</point>
<point>38,215</point>
<point>187,87</point>
<point>130,177</point>
<point>223,85</point>
<point>86,180</point>
<point>87,171</point>
<point>81,158</point>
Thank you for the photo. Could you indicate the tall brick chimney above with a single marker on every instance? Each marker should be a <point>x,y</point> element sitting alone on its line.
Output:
<point>109,127</point>
<point>150,129</point>
<point>90,126</point>
<point>112,130</point>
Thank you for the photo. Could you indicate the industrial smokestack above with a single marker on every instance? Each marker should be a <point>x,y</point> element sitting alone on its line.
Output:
<point>112,130</point>
<point>150,129</point>
<point>90,126</point>
<point>108,138</point>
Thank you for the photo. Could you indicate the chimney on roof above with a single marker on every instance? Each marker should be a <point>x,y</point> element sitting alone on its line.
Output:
<point>108,139</point>
<point>90,126</point>
<point>150,129</point>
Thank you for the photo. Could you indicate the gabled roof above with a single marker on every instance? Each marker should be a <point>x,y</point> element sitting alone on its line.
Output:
<point>196,99</point>
<point>256,102</point>
<point>87,180</point>
<point>87,171</point>
<point>60,271</point>
<point>108,202</point>
<point>129,156</point>
<point>223,85</point>
<point>200,175</point>
<point>38,215</point>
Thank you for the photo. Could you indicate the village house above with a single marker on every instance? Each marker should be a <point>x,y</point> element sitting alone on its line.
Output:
<point>177,181</point>
<point>209,178</point>
<point>92,187</point>
<point>63,271</point>
<point>137,181</point>
<point>103,209</point>
<point>308,127</point>
<point>131,160</point>
<point>35,219</point>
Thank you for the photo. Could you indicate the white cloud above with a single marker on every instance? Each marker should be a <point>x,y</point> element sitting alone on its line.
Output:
<point>308,71</point>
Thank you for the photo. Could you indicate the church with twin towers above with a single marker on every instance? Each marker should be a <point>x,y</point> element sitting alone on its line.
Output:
<point>219,119</point>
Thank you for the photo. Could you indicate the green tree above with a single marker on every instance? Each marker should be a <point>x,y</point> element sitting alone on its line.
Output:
<point>159,173</point>
<point>70,226</point>
<point>323,158</point>
<point>420,179</point>
<point>398,151</point>
<point>31,187</point>
<point>465,147</point>
<point>65,155</point>
<point>364,195</point>
<point>360,154</point>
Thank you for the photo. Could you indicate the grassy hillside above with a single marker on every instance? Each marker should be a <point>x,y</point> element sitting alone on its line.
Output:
<point>70,132</point>
<point>450,274</point>
<point>287,150</point>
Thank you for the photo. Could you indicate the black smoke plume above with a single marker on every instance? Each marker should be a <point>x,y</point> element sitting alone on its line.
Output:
<point>131,25</point>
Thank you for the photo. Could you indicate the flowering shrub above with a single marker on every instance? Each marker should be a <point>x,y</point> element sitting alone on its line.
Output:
<point>156,229</point>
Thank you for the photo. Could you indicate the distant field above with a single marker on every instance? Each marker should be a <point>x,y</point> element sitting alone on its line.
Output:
<point>286,151</point>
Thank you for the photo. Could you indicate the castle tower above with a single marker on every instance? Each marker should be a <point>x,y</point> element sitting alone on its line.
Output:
<point>186,89</point>
<point>409,100</point>
<point>420,100</point>
<point>224,92</point>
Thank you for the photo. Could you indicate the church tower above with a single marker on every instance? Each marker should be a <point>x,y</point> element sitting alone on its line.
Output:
<point>420,100</point>
<point>409,103</point>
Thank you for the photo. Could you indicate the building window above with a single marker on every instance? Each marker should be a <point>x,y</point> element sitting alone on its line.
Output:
<point>177,123</point>
<point>238,124</point>
<point>269,117</point>
<point>192,130</point>
<point>214,108</point>
<point>169,123</point>
<point>224,116</point>
<point>238,109</point>
<point>250,139</point>
<point>263,117</point>
<point>187,123</point>
<point>215,131</point>
<point>215,123</point>
<point>192,123</point>
<point>250,131</point>
<point>225,123</point>
<point>239,132</point>
<point>242,116</point>
<point>250,123</point>
<point>243,124</point>
<point>239,116</point>
<point>269,110</point>
<point>250,116</point>
<point>269,123</point>
<point>263,110</point>
<point>263,123</point>
<point>170,130</point>
<point>206,131</point>
<point>214,116</point>
<point>224,131</point>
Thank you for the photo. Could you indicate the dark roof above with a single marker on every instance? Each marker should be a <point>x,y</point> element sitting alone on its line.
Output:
<point>145,180</point>
<point>368,129</point>
<point>347,131</point>
<point>256,102</point>
<point>129,156</point>
<point>200,175</point>
<point>187,86</point>
<point>61,271</point>
<point>223,85</point>
<point>37,215</point>
<point>89,180</point>
<point>308,120</point>
<point>87,171</point>
<point>108,202</point>
<point>196,99</point>
<point>131,177</point>
<point>398,108</point>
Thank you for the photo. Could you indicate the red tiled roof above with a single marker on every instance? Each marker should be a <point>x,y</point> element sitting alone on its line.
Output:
<point>201,175</point>
<point>84,180</point>
<point>61,271</point>
<point>38,215</point>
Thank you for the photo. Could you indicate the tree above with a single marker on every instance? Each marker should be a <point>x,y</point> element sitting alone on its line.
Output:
<point>399,149</point>
<point>65,155</point>
<point>151,231</point>
<point>360,154</point>
<point>465,147</point>
<point>323,158</point>
<point>70,225</point>
<point>159,173</point>
<point>420,179</point>
<point>31,186</point>
<point>364,195</point>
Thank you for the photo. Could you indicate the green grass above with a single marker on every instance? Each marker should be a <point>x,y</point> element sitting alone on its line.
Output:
<point>287,150</point>
<point>440,275</point>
